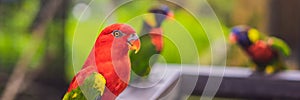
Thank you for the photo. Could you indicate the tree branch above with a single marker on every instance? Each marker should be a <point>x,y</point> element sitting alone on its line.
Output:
<point>45,15</point>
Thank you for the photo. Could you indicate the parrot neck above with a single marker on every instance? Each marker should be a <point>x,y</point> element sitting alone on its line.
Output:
<point>113,63</point>
<point>114,55</point>
<point>157,38</point>
<point>158,19</point>
<point>244,41</point>
<point>154,31</point>
<point>104,52</point>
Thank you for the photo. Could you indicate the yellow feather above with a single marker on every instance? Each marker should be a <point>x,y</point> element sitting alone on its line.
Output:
<point>66,97</point>
<point>74,95</point>
<point>253,35</point>
<point>99,83</point>
<point>150,19</point>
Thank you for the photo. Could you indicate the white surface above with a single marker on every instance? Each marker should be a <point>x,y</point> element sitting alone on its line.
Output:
<point>161,78</point>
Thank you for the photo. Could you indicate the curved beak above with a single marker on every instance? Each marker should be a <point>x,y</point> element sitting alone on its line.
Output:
<point>134,43</point>
<point>232,38</point>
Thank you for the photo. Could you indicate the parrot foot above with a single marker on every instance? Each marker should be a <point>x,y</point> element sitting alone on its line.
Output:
<point>262,74</point>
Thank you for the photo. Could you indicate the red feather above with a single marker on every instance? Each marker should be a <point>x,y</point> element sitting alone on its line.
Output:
<point>261,52</point>
<point>156,38</point>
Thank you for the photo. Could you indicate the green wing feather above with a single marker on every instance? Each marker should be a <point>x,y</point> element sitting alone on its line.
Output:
<point>279,45</point>
<point>91,89</point>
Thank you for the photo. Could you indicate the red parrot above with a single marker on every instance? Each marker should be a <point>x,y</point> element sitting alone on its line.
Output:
<point>106,72</point>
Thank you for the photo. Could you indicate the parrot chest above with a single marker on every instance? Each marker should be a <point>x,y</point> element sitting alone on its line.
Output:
<point>116,75</point>
<point>260,52</point>
<point>156,38</point>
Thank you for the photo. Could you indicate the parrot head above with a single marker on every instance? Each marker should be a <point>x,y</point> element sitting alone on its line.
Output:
<point>121,36</point>
<point>158,15</point>
<point>244,35</point>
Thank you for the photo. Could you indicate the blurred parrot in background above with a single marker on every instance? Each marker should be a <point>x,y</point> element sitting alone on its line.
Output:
<point>265,51</point>
<point>151,42</point>
<point>106,72</point>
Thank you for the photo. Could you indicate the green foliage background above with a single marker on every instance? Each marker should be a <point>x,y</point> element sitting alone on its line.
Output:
<point>81,34</point>
<point>84,33</point>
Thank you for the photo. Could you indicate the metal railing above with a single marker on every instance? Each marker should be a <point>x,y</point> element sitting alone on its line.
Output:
<point>180,81</point>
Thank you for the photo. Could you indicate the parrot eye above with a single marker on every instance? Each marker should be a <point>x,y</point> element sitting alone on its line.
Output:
<point>117,33</point>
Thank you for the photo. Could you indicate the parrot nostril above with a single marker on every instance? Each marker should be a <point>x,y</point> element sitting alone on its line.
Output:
<point>132,37</point>
<point>129,43</point>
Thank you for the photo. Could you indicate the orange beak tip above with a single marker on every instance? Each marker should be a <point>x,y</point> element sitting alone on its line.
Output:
<point>135,46</point>
<point>136,51</point>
